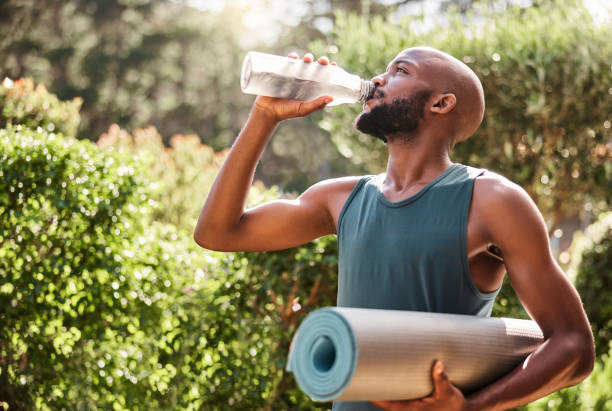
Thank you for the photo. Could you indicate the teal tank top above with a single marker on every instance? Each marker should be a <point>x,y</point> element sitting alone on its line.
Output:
<point>411,254</point>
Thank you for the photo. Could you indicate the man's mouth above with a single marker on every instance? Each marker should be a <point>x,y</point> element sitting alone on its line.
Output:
<point>376,95</point>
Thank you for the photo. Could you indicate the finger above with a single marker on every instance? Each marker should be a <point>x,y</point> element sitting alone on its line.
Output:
<point>308,57</point>
<point>324,60</point>
<point>308,107</point>
<point>440,378</point>
<point>293,55</point>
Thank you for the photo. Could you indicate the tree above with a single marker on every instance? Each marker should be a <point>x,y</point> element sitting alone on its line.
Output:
<point>132,62</point>
<point>157,63</point>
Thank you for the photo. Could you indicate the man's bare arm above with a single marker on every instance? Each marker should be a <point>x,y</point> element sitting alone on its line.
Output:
<point>225,225</point>
<point>567,355</point>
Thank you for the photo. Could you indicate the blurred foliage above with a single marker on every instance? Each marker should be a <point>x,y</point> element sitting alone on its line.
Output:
<point>592,266</point>
<point>91,290</point>
<point>283,287</point>
<point>301,22</point>
<point>257,309</point>
<point>507,303</point>
<point>160,63</point>
<point>183,173</point>
<point>33,107</point>
<point>592,394</point>
<point>107,303</point>
<point>176,170</point>
<point>132,62</point>
<point>546,74</point>
<point>260,297</point>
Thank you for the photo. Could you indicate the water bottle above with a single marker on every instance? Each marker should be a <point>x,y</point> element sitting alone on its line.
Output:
<point>284,77</point>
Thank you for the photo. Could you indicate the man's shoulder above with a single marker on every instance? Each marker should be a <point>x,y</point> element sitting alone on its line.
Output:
<point>332,194</point>
<point>338,185</point>
<point>497,195</point>
<point>495,186</point>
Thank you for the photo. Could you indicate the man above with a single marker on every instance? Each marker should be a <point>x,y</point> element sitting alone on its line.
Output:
<point>426,235</point>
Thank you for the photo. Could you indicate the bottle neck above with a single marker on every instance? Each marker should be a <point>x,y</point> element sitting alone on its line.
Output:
<point>367,90</point>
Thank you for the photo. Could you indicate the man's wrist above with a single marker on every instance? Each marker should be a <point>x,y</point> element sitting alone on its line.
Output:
<point>264,114</point>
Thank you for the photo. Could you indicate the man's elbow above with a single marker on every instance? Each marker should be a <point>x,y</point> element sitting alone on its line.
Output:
<point>207,239</point>
<point>201,240</point>
<point>216,238</point>
<point>582,349</point>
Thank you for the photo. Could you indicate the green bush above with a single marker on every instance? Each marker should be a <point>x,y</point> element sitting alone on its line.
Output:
<point>591,264</point>
<point>107,305</point>
<point>183,172</point>
<point>23,103</point>
<point>592,394</point>
<point>277,291</point>
<point>91,293</point>
<point>243,316</point>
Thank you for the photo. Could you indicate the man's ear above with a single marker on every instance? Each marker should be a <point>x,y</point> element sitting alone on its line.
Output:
<point>444,103</point>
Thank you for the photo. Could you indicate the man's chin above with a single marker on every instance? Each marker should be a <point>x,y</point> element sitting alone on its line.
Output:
<point>360,124</point>
<point>357,119</point>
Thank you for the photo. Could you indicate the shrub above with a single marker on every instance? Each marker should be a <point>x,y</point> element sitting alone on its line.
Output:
<point>239,320</point>
<point>278,290</point>
<point>91,292</point>
<point>591,264</point>
<point>23,103</point>
<point>592,394</point>
<point>183,173</point>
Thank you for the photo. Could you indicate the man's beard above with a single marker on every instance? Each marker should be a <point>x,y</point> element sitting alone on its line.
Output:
<point>401,116</point>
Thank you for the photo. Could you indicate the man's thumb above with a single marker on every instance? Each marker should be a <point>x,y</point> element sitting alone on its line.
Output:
<point>440,378</point>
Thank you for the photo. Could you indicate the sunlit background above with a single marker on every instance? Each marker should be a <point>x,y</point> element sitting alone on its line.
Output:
<point>115,118</point>
<point>264,19</point>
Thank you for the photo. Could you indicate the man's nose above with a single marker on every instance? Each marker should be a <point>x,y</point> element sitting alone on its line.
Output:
<point>379,80</point>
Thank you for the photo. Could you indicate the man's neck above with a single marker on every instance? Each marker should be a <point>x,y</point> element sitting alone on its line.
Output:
<point>414,163</point>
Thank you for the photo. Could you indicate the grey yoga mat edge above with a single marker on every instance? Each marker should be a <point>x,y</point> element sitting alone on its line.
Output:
<point>304,344</point>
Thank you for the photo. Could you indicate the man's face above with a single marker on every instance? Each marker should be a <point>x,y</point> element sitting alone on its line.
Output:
<point>399,100</point>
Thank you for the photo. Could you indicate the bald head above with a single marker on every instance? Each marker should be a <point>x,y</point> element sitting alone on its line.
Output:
<point>447,75</point>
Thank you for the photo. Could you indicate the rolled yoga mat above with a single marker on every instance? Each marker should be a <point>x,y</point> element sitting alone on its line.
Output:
<point>355,354</point>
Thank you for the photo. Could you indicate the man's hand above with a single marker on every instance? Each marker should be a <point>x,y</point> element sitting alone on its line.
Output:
<point>282,109</point>
<point>446,397</point>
